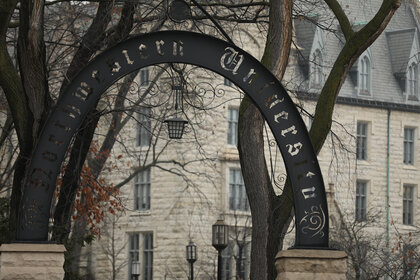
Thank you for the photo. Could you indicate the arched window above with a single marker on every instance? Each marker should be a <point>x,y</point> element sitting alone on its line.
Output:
<point>317,73</point>
<point>364,76</point>
<point>412,87</point>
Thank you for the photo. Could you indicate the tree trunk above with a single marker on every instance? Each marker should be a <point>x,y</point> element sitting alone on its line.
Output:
<point>267,224</point>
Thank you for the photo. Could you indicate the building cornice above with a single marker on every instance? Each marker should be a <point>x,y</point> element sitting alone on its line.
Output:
<point>352,101</point>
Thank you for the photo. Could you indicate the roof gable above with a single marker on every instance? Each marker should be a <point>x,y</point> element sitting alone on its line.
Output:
<point>400,45</point>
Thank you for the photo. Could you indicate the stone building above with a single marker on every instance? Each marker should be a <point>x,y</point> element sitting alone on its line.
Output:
<point>370,161</point>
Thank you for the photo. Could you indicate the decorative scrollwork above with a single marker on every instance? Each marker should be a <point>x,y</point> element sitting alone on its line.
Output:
<point>313,221</point>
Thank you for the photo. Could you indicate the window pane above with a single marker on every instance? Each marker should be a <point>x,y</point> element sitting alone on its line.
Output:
<point>238,199</point>
<point>142,191</point>
<point>133,251</point>
<point>144,127</point>
<point>361,200</point>
<point>147,256</point>
<point>408,204</point>
<point>408,145</point>
<point>361,145</point>
<point>232,126</point>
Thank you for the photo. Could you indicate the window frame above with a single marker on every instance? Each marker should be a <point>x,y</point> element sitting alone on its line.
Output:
<point>408,204</point>
<point>317,75</point>
<point>361,200</point>
<point>133,237</point>
<point>408,145</point>
<point>364,75</point>
<point>142,199</point>
<point>413,82</point>
<point>232,126</point>
<point>147,261</point>
<point>144,127</point>
<point>362,140</point>
<point>238,200</point>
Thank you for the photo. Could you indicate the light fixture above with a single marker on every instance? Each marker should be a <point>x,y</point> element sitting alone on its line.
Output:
<point>135,269</point>
<point>176,125</point>
<point>220,235</point>
<point>191,257</point>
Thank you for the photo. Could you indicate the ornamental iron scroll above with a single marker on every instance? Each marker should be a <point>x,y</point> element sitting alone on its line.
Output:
<point>233,63</point>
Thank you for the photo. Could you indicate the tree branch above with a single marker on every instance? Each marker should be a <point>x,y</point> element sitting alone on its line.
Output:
<point>341,17</point>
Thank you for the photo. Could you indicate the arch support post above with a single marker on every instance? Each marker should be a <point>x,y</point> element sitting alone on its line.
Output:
<point>304,264</point>
<point>31,261</point>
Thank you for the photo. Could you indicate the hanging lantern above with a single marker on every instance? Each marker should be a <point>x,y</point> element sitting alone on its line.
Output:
<point>176,127</point>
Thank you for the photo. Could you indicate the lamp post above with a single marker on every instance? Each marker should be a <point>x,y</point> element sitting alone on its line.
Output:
<point>135,270</point>
<point>220,241</point>
<point>191,257</point>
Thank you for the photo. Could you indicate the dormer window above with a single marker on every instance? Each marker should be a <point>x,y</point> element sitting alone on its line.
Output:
<point>412,80</point>
<point>317,76</point>
<point>404,50</point>
<point>364,76</point>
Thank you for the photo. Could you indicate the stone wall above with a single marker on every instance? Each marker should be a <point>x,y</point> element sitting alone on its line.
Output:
<point>31,261</point>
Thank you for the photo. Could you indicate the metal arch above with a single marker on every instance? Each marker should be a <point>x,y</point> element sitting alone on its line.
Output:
<point>310,204</point>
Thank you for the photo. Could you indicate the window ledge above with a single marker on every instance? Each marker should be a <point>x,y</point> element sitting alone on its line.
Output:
<point>136,213</point>
<point>409,167</point>
<point>230,153</point>
<point>407,227</point>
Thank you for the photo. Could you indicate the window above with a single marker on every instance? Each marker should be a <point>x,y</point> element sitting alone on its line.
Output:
<point>317,75</point>
<point>364,76</point>
<point>408,145</point>
<point>142,191</point>
<point>144,127</point>
<point>144,77</point>
<point>408,205</point>
<point>232,126</point>
<point>147,256</point>
<point>412,82</point>
<point>361,187</point>
<point>227,82</point>
<point>227,267</point>
<point>235,260</point>
<point>237,194</point>
<point>361,148</point>
<point>145,240</point>
<point>133,252</point>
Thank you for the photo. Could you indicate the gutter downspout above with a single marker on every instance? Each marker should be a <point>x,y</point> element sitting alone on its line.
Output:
<point>387,180</point>
<point>387,177</point>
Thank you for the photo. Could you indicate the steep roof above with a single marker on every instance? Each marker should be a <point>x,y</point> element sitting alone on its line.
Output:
<point>305,33</point>
<point>400,43</point>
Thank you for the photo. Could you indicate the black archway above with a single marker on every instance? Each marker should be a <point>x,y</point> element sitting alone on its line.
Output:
<point>250,75</point>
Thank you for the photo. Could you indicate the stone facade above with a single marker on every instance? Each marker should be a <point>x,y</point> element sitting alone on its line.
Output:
<point>183,209</point>
<point>31,261</point>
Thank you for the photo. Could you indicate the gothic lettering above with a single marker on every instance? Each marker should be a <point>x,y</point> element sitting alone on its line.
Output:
<point>127,58</point>
<point>142,49</point>
<point>178,48</point>
<point>231,60</point>
<point>83,92</point>
<point>71,111</point>
<point>290,129</point>
<point>309,193</point>
<point>250,77</point>
<point>159,45</point>
<point>284,115</point>
<point>272,101</point>
<point>294,149</point>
